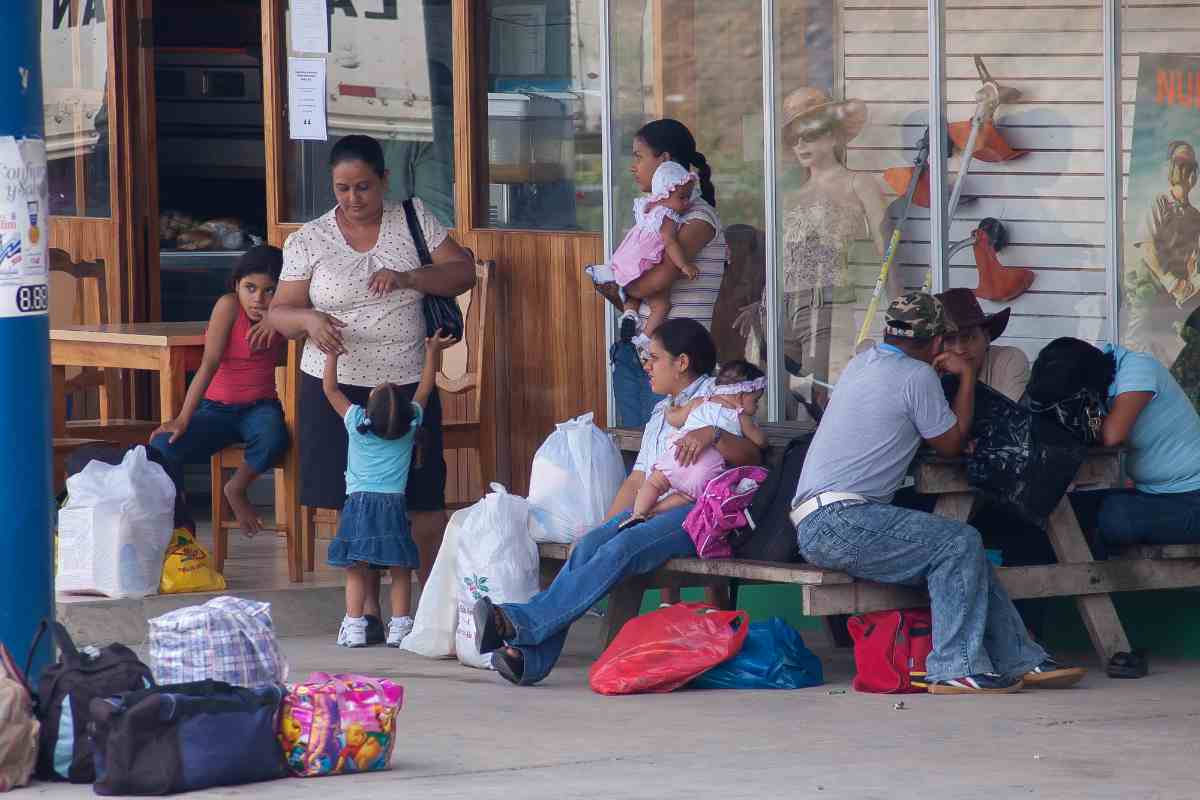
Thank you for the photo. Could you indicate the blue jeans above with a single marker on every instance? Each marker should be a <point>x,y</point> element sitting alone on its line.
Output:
<point>631,387</point>
<point>598,562</point>
<point>215,426</point>
<point>975,627</point>
<point>1126,517</point>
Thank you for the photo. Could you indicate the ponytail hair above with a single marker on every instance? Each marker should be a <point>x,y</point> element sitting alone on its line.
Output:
<point>388,414</point>
<point>673,137</point>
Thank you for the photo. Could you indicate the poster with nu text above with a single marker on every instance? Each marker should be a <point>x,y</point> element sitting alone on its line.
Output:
<point>1162,223</point>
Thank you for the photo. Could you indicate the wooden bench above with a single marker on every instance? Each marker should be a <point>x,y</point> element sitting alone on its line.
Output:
<point>829,592</point>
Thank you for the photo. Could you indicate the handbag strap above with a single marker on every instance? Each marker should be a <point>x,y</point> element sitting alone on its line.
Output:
<point>418,235</point>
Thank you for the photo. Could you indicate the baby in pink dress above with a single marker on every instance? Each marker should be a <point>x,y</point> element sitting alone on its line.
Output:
<point>656,218</point>
<point>730,408</point>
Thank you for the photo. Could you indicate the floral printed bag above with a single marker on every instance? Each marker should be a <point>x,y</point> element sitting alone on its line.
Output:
<point>337,724</point>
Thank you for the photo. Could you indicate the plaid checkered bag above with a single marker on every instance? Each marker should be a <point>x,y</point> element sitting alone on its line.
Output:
<point>227,639</point>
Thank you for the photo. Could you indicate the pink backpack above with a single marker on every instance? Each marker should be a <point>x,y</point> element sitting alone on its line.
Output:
<point>721,510</point>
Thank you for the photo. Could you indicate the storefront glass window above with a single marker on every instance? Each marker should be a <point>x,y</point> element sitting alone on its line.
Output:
<point>389,75</point>
<point>851,107</point>
<point>1160,138</point>
<point>74,72</point>
<point>543,115</point>
<point>698,62</point>
<point>1030,221</point>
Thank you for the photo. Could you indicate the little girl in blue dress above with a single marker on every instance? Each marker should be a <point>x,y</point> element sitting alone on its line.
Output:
<point>373,530</point>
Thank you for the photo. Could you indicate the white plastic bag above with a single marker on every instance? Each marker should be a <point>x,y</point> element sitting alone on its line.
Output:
<point>436,622</point>
<point>496,557</point>
<point>114,529</point>
<point>576,475</point>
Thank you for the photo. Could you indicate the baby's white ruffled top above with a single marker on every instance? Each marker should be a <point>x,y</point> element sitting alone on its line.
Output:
<point>642,248</point>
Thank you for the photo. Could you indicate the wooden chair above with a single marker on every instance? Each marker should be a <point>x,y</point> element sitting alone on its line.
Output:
<point>224,463</point>
<point>464,427</point>
<point>79,297</point>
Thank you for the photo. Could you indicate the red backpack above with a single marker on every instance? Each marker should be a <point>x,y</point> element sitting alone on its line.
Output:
<point>890,648</point>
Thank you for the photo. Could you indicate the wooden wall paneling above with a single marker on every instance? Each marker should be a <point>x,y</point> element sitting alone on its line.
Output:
<point>551,333</point>
<point>122,155</point>
<point>274,123</point>
<point>471,30</point>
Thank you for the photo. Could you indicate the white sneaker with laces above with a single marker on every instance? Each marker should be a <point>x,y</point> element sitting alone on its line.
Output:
<point>353,632</point>
<point>398,628</point>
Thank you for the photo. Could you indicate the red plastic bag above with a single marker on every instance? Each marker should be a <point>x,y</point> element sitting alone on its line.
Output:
<point>890,648</point>
<point>663,650</point>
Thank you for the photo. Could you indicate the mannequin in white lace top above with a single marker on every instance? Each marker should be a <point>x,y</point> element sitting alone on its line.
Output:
<point>832,209</point>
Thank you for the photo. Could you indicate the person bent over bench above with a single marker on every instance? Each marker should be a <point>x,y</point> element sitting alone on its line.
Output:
<point>886,402</point>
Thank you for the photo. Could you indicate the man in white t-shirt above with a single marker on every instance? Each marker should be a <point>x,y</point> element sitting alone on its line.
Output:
<point>887,402</point>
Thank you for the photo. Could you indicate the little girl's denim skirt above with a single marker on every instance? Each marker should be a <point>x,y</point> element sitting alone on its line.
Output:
<point>373,529</point>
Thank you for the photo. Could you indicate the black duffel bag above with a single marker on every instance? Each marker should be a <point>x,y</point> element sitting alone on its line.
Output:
<point>773,537</point>
<point>186,736</point>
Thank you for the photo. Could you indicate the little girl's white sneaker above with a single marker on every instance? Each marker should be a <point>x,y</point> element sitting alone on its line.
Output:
<point>629,326</point>
<point>398,628</point>
<point>353,632</point>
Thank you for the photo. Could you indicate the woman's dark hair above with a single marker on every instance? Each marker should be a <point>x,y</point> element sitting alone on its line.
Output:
<point>687,337</point>
<point>736,371</point>
<point>1067,365</point>
<point>672,136</point>
<point>263,259</point>
<point>389,415</point>
<point>358,147</point>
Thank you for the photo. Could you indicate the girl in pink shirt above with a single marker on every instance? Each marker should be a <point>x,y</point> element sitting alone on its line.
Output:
<point>232,397</point>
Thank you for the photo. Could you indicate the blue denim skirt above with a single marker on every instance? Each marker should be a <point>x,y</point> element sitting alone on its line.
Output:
<point>373,529</point>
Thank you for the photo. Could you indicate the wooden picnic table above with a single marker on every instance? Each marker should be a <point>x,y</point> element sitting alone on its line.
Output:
<point>1076,574</point>
<point>169,348</point>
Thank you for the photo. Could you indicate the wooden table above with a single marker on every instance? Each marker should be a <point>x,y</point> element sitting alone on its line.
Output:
<point>168,348</point>
<point>1075,575</point>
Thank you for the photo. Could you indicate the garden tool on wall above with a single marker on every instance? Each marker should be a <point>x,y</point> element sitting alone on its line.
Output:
<point>980,139</point>
<point>993,147</point>
<point>920,163</point>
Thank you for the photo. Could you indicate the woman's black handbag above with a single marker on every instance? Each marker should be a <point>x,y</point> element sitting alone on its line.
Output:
<point>441,313</point>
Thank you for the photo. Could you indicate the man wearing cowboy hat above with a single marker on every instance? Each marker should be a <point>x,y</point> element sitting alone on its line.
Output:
<point>1005,369</point>
<point>887,402</point>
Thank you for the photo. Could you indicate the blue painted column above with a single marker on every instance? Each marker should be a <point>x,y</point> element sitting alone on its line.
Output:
<point>26,573</point>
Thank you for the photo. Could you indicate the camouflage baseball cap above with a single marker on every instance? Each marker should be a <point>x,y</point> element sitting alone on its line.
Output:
<point>917,315</point>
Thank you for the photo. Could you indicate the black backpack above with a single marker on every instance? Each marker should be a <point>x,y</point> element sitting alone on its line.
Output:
<point>773,537</point>
<point>65,691</point>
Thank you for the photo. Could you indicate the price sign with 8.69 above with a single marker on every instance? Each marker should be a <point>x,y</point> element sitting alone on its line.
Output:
<point>24,202</point>
<point>33,299</point>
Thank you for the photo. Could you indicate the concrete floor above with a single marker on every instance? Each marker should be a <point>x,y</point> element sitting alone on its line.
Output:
<point>467,734</point>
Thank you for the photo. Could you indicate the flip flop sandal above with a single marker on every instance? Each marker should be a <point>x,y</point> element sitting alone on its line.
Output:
<point>487,632</point>
<point>510,667</point>
<point>1128,665</point>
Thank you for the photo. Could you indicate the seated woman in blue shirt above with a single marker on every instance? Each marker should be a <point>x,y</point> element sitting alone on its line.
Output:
<point>1151,417</point>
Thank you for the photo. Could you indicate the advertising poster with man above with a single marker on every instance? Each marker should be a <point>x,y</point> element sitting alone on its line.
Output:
<point>1162,222</point>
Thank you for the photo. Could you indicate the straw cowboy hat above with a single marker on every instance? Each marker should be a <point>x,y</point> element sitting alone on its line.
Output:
<point>962,307</point>
<point>851,115</point>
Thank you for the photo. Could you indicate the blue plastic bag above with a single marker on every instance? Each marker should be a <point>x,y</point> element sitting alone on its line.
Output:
<point>773,657</point>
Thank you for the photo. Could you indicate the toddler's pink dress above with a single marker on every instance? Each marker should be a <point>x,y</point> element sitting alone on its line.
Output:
<point>709,464</point>
<point>642,248</point>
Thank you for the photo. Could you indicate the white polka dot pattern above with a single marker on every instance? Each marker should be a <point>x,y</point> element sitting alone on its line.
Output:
<point>385,336</point>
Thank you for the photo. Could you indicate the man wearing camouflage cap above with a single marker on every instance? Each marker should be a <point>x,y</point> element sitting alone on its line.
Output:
<point>888,400</point>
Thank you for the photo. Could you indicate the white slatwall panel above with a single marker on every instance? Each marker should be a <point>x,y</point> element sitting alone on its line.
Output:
<point>1051,200</point>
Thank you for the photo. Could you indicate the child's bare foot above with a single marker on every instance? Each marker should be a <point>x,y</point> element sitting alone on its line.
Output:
<point>247,518</point>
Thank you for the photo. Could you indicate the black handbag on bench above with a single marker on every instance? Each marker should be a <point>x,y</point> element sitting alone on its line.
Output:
<point>440,312</point>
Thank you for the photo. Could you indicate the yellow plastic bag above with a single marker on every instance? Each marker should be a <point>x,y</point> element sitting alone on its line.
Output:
<point>188,567</point>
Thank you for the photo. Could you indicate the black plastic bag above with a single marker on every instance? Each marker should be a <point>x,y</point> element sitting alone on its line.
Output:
<point>1022,460</point>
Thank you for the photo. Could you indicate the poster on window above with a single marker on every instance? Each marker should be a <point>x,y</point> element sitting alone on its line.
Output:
<point>1162,223</point>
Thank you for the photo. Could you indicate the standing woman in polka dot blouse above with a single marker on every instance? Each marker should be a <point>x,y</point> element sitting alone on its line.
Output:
<point>352,284</point>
